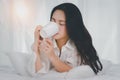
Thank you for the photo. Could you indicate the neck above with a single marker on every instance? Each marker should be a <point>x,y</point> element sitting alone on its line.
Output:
<point>61,42</point>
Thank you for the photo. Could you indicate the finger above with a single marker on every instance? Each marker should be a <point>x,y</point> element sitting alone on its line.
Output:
<point>49,41</point>
<point>44,44</point>
<point>39,42</point>
<point>41,48</point>
<point>46,48</point>
<point>47,45</point>
<point>38,28</point>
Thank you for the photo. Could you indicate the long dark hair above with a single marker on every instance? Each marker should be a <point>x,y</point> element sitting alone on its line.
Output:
<point>80,36</point>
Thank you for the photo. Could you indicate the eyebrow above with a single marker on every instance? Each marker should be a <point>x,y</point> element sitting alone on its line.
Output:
<point>59,20</point>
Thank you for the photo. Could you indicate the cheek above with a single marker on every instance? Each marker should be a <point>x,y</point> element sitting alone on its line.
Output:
<point>61,30</point>
<point>61,33</point>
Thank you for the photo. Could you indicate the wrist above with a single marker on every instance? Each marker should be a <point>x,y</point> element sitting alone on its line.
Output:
<point>52,57</point>
<point>35,43</point>
<point>35,48</point>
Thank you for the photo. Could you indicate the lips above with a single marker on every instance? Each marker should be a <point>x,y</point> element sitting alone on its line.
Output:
<point>56,34</point>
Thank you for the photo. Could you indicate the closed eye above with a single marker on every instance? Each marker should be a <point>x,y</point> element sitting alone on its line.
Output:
<point>62,24</point>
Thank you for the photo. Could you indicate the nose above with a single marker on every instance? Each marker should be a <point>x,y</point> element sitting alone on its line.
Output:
<point>57,23</point>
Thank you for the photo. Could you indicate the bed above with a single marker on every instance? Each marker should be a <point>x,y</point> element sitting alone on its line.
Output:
<point>8,72</point>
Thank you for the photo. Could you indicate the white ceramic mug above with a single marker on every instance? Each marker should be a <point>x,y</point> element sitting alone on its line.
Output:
<point>49,30</point>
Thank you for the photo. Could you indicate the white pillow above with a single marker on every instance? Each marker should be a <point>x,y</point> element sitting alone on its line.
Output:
<point>85,71</point>
<point>4,60</point>
<point>106,66</point>
<point>19,61</point>
<point>79,72</point>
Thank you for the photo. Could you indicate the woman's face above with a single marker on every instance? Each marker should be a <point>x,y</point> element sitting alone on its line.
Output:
<point>59,18</point>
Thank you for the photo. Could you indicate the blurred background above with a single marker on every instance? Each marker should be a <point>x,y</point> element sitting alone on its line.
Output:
<point>18,19</point>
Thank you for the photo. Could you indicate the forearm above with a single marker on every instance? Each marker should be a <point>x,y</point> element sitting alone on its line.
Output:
<point>38,64</point>
<point>59,65</point>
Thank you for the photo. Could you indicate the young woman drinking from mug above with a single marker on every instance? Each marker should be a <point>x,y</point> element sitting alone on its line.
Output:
<point>71,47</point>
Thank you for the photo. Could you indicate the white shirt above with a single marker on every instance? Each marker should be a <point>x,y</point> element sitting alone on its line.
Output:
<point>68,55</point>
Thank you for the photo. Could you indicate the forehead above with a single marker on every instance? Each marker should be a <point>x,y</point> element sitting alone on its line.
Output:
<point>59,15</point>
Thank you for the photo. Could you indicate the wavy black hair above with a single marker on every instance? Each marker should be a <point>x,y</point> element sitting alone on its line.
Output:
<point>79,35</point>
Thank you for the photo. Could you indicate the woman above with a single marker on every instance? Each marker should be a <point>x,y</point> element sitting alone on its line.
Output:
<point>72,45</point>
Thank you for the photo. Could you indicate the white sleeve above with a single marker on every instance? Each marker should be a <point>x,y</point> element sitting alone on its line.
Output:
<point>72,60</point>
<point>31,65</point>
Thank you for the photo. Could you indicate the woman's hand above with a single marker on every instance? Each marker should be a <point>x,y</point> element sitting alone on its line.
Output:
<point>37,39</point>
<point>47,48</point>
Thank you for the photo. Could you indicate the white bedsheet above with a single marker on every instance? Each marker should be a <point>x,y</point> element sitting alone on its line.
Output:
<point>110,72</point>
<point>9,74</point>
